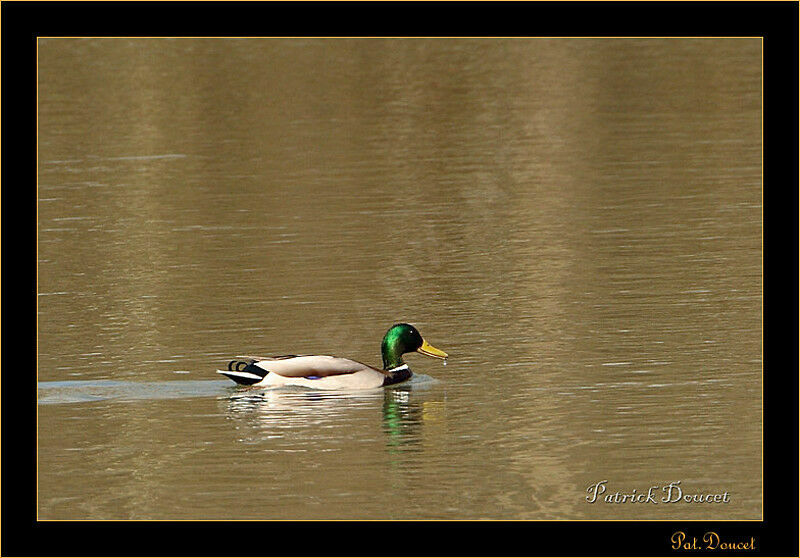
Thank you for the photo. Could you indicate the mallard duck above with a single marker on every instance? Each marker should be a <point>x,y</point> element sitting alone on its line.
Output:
<point>330,372</point>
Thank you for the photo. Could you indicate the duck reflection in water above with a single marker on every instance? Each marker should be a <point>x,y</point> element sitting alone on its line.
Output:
<point>402,419</point>
<point>300,416</point>
<point>297,409</point>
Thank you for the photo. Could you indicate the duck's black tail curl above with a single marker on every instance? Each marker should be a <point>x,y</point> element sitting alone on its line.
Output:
<point>244,372</point>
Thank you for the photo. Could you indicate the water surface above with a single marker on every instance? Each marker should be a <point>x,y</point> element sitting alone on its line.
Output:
<point>577,222</point>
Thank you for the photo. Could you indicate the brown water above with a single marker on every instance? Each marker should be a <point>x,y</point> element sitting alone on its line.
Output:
<point>577,222</point>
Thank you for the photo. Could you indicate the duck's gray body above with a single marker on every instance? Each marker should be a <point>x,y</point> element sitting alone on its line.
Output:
<point>317,371</point>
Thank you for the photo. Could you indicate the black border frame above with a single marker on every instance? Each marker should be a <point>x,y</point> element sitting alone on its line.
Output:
<point>22,22</point>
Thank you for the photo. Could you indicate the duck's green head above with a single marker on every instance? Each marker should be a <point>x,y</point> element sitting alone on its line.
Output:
<point>401,339</point>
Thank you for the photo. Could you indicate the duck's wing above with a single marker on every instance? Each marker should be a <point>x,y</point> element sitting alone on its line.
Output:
<point>257,358</point>
<point>317,365</point>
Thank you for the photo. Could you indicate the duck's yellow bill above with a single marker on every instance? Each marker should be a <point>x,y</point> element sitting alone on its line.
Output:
<point>429,350</point>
